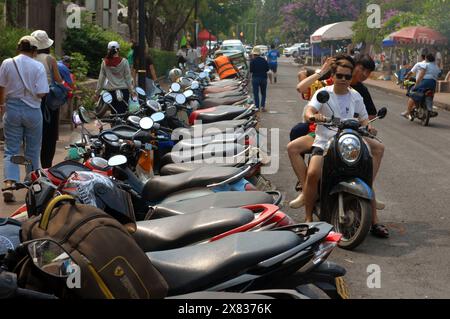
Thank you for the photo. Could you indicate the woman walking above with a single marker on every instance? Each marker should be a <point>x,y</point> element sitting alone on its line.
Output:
<point>50,132</point>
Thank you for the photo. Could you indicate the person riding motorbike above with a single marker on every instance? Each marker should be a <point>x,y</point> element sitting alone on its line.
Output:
<point>115,74</point>
<point>427,75</point>
<point>308,86</point>
<point>346,103</point>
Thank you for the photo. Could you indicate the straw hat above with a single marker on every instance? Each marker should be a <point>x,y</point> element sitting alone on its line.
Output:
<point>44,42</point>
<point>256,51</point>
<point>28,38</point>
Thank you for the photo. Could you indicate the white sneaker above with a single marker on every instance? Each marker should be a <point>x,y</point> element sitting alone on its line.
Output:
<point>299,202</point>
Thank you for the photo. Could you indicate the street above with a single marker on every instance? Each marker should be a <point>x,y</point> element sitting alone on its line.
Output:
<point>413,182</point>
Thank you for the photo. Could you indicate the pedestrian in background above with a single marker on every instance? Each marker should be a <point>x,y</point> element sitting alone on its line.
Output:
<point>50,132</point>
<point>259,68</point>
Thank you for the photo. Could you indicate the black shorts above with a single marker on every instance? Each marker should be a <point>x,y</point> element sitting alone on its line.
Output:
<point>371,110</point>
<point>273,67</point>
<point>301,129</point>
<point>316,151</point>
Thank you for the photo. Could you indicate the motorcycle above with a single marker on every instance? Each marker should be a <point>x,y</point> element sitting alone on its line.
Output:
<point>424,108</point>
<point>347,177</point>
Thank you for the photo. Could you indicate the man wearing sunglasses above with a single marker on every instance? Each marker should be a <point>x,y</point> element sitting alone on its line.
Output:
<point>345,103</point>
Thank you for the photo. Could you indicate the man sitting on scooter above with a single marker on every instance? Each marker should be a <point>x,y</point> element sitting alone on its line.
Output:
<point>345,102</point>
<point>427,76</point>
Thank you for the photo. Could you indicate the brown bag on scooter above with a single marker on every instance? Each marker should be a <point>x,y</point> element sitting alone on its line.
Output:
<point>112,265</point>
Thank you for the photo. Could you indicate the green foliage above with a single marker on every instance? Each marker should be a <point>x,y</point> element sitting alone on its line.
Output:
<point>92,41</point>
<point>87,97</point>
<point>163,61</point>
<point>79,66</point>
<point>9,37</point>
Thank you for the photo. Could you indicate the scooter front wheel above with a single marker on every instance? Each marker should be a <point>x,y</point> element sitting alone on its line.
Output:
<point>426,118</point>
<point>357,221</point>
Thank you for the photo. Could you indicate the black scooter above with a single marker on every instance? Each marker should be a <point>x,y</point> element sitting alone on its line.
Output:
<point>347,177</point>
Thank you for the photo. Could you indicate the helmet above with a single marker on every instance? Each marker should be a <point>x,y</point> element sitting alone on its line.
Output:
<point>175,74</point>
<point>97,190</point>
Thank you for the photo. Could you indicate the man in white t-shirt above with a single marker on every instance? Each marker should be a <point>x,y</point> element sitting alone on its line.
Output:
<point>23,84</point>
<point>344,103</point>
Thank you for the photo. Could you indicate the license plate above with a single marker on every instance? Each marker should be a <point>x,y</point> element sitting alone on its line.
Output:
<point>342,288</point>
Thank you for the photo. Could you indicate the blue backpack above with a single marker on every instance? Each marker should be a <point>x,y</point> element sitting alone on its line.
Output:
<point>57,95</point>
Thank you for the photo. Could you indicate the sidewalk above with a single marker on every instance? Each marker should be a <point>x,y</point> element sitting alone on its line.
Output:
<point>441,100</point>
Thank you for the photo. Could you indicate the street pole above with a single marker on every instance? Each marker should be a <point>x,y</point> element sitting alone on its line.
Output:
<point>142,44</point>
<point>256,30</point>
<point>196,24</point>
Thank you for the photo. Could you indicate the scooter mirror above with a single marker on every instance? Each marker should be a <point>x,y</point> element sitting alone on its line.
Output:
<point>201,65</point>
<point>208,71</point>
<point>171,111</point>
<point>158,117</point>
<point>117,160</point>
<point>107,98</point>
<point>180,99</point>
<point>175,87</point>
<point>119,95</point>
<point>155,106</point>
<point>382,113</point>
<point>146,123</point>
<point>203,75</point>
<point>52,259</point>
<point>323,97</point>
<point>84,115</point>
<point>195,85</point>
<point>188,93</point>
<point>76,119</point>
<point>140,91</point>
<point>134,120</point>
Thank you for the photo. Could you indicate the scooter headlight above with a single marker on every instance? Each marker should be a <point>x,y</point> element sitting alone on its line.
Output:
<point>350,148</point>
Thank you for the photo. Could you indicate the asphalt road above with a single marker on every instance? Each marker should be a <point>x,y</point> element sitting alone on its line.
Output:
<point>414,183</point>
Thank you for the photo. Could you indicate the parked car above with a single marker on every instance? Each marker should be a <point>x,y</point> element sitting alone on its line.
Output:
<point>289,51</point>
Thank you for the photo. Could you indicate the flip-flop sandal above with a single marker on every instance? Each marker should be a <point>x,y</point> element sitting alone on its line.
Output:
<point>379,231</point>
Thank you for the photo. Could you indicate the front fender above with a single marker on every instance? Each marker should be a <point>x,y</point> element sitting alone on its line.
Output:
<point>355,186</point>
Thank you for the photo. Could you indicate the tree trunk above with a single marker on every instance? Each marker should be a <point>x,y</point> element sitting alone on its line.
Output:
<point>167,42</point>
<point>11,13</point>
<point>133,19</point>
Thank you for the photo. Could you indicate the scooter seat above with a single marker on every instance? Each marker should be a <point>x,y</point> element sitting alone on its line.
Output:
<point>124,132</point>
<point>212,102</point>
<point>161,186</point>
<point>210,129</point>
<point>212,201</point>
<point>183,230</point>
<point>217,114</point>
<point>222,153</point>
<point>225,82</point>
<point>238,137</point>
<point>200,267</point>
<point>178,168</point>
<point>221,95</point>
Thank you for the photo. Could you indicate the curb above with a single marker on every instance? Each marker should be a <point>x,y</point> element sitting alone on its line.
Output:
<point>443,106</point>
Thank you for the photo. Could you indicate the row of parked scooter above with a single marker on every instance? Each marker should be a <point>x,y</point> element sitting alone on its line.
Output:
<point>167,202</point>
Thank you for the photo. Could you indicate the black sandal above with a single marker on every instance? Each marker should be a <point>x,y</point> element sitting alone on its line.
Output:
<point>298,187</point>
<point>379,231</point>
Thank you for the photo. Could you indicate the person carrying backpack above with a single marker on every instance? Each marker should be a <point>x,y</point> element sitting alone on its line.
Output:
<point>50,132</point>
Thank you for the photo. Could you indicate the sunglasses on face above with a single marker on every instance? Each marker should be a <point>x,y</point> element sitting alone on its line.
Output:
<point>341,76</point>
